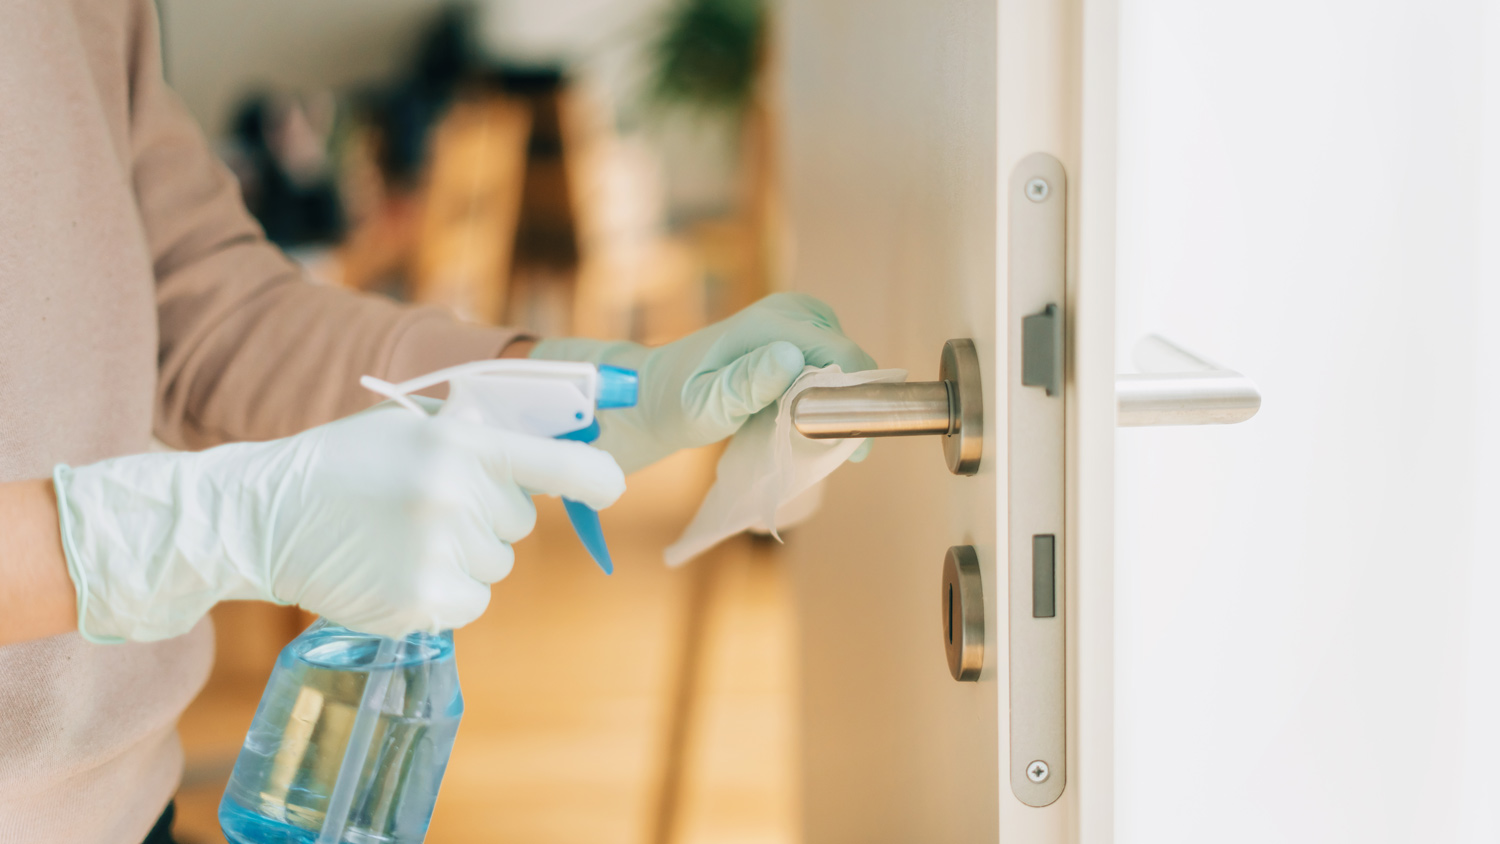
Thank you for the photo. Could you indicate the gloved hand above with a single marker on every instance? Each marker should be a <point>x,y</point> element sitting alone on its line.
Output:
<point>385,522</point>
<point>702,388</point>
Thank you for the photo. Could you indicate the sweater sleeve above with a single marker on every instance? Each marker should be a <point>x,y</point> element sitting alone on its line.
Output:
<point>249,348</point>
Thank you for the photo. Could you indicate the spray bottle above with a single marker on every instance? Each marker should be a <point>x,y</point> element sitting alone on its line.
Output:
<point>352,735</point>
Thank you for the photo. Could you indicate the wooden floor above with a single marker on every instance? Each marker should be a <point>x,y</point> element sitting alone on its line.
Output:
<point>649,707</point>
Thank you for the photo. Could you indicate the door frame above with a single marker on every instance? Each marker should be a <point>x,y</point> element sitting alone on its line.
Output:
<point>1091,429</point>
<point>1058,95</point>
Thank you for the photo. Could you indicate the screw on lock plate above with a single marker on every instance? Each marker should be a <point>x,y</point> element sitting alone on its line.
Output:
<point>1038,771</point>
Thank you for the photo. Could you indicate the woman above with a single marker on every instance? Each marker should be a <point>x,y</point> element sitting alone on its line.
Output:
<point>140,298</point>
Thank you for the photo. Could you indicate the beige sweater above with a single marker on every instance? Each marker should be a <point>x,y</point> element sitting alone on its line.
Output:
<point>136,296</point>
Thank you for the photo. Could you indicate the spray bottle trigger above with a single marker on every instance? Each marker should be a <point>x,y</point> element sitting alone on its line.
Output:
<point>584,518</point>
<point>590,532</point>
<point>618,387</point>
<point>586,434</point>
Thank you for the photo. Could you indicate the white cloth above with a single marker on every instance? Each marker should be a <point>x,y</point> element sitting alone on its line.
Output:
<point>769,473</point>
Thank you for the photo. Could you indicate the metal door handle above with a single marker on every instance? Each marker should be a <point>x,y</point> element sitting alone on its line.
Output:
<point>951,407</point>
<point>1176,387</point>
<point>912,409</point>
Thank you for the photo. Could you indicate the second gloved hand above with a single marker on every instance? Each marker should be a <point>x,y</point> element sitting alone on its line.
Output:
<point>385,522</point>
<point>702,388</point>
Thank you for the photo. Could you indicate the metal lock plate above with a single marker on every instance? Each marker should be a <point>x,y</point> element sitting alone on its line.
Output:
<point>963,613</point>
<point>1036,416</point>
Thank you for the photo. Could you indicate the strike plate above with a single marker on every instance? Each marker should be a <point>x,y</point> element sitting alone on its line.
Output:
<point>1037,316</point>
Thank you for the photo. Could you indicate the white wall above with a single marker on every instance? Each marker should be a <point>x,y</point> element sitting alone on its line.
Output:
<point>544,30</point>
<point>1307,646</point>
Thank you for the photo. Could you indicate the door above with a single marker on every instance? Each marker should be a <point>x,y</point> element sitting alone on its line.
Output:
<point>1283,630</point>
<point>905,126</point>
<point>1307,644</point>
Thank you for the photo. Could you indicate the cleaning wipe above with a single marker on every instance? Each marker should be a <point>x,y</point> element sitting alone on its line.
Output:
<point>769,473</point>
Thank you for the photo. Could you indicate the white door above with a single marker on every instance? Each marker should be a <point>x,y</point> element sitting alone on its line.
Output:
<point>1309,603</point>
<point>1278,631</point>
<point>906,125</point>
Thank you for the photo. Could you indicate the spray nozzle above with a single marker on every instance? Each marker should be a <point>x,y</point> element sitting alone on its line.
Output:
<point>618,387</point>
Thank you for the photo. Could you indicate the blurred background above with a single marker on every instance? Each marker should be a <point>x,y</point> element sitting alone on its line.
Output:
<point>587,167</point>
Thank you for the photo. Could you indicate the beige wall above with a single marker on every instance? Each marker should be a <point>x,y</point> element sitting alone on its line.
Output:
<point>217,50</point>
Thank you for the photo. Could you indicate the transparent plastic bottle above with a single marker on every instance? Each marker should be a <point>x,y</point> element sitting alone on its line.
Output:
<point>349,742</point>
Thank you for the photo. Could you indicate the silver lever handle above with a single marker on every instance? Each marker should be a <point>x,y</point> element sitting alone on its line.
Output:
<point>1176,387</point>
<point>912,409</point>
<point>951,407</point>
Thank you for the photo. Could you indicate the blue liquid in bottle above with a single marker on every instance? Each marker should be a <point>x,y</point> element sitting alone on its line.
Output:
<point>349,742</point>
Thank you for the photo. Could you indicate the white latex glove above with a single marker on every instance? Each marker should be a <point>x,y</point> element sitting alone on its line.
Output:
<point>385,522</point>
